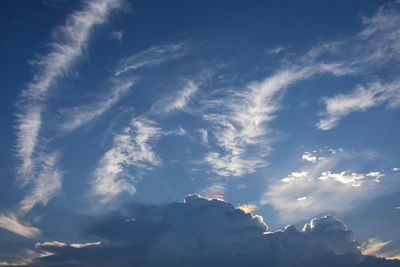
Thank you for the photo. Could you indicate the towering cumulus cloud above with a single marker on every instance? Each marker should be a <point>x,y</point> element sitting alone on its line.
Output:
<point>204,232</point>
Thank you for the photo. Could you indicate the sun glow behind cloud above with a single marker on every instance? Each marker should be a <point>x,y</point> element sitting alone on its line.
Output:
<point>156,118</point>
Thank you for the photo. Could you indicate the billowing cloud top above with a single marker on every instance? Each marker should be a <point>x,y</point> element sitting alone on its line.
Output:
<point>207,232</point>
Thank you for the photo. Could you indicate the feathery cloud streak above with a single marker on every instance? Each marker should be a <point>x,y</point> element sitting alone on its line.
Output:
<point>133,147</point>
<point>177,101</point>
<point>153,56</point>
<point>376,46</point>
<point>72,37</point>
<point>242,131</point>
<point>78,116</point>
<point>11,223</point>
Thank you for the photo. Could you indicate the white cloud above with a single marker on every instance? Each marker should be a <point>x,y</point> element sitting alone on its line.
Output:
<point>71,39</point>
<point>359,100</point>
<point>378,248</point>
<point>353,179</point>
<point>117,35</point>
<point>11,223</point>
<point>203,136</point>
<point>240,122</point>
<point>46,185</point>
<point>78,116</point>
<point>178,101</point>
<point>307,156</point>
<point>133,147</point>
<point>277,50</point>
<point>377,44</point>
<point>316,189</point>
<point>207,232</point>
<point>153,56</point>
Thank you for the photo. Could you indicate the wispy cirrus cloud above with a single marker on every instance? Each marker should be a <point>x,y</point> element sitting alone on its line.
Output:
<point>71,39</point>
<point>178,101</point>
<point>376,46</point>
<point>359,100</point>
<point>153,56</point>
<point>242,127</point>
<point>133,147</point>
<point>10,222</point>
<point>47,184</point>
<point>77,116</point>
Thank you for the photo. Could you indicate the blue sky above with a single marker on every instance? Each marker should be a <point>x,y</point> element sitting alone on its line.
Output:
<point>284,109</point>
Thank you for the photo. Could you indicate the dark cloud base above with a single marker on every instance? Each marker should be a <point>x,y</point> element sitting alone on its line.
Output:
<point>202,232</point>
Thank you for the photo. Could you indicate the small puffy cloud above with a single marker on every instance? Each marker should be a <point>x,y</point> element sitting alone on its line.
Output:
<point>207,232</point>
<point>203,136</point>
<point>307,156</point>
<point>320,188</point>
<point>117,35</point>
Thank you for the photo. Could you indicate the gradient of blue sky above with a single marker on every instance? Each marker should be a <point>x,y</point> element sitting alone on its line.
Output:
<point>289,108</point>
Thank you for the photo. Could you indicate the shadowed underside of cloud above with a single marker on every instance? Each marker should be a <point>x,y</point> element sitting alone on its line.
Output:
<point>204,232</point>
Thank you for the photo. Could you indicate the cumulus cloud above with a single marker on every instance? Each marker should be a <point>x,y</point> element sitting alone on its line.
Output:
<point>153,56</point>
<point>322,187</point>
<point>204,232</point>
<point>307,156</point>
<point>10,222</point>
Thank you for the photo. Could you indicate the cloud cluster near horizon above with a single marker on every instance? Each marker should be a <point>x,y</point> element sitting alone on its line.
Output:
<point>322,185</point>
<point>210,232</point>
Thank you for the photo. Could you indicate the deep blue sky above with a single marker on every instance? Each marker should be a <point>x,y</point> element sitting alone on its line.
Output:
<point>288,109</point>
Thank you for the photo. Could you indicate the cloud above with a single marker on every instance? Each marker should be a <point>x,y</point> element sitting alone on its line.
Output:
<point>204,232</point>
<point>359,100</point>
<point>11,223</point>
<point>133,147</point>
<point>318,188</point>
<point>248,208</point>
<point>203,136</point>
<point>70,41</point>
<point>376,46</point>
<point>378,248</point>
<point>118,35</point>
<point>46,185</point>
<point>307,156</point>
<point>153,56</point>
<point>178,101</point>
<point>240,121</point>
<point>277,50</point>
<point>215,191</point>
<point>78,116</point>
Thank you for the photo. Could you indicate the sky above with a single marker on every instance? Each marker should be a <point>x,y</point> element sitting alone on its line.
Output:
<point>225,120</point>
